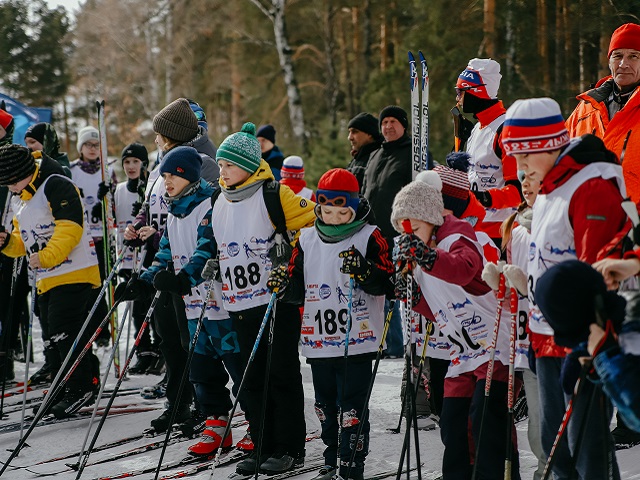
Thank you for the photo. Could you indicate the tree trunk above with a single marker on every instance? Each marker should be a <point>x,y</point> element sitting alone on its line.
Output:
<point>346,74</point>
<point>366,57</point>
<point>605,36</point>
<point>332,81</point>
<point>510,40</point>
<point>383,44</point>
<point>489,28</point>
<point>169,60</point>
<point>543,44</point>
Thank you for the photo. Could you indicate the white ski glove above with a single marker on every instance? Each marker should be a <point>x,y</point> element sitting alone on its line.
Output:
<point>516,278</point>
<point>491,274</point>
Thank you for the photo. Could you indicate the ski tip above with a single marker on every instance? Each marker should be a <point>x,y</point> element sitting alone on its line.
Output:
<point>411,57</point>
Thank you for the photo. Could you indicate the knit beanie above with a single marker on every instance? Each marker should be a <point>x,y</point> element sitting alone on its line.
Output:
<point>16,164</point>
<point>183,162</point>
<point>36,131</point>
<point>5,118</point>
<point>136,150</point>
<point>455,182</point>
<point>198,111</point>
<point>242,149</point>
<point>534,125</point>
<point>339,188</point>
<point>268,132</point>
<point>626,36</point>
<point>420,199</point>
<point>481,78</point>
<point>176,121</point>
<point>292,167</point>
<point>367,123</point>
<point>396,112</point>
<point>566,296</point>
<point>85,135</point>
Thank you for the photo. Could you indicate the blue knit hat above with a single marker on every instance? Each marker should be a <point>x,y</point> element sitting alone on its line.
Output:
<point>183,162</point>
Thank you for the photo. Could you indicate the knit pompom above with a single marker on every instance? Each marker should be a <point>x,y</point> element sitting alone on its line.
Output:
<point>430,178</point>
<point>459,161</point>
<point>249,128</point>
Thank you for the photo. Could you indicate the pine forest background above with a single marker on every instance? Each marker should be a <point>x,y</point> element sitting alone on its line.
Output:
<point>306,66</point>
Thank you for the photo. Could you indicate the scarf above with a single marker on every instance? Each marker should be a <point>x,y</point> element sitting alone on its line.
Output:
<point>337,233</point>
<point>89,167</point>
<point>237,194</point>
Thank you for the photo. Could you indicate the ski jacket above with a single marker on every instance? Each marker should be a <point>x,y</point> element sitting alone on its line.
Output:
<point>274,158</point>
<point>207,150</point>
<point>591,215</point>
<point>621,134</point>
<point>389,170</point>
<point>205,250</point>
<point>68,234</point>
<point>360,161</point>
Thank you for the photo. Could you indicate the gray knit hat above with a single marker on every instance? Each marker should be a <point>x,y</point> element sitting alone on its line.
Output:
<point>16,164</point>
<point>421,199</point>
<point>176,121</point>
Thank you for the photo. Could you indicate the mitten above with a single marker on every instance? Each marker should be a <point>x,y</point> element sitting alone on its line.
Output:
<point>135,208</point>
<point>211,270</point>
<point>168,282</point>
<point>96,211</point>
<point>103,189</point>
<point>411,248</point>
<point>401,289</point>
<point>278,279</point>
<point>354,263</point>
<point>517,278</point>
<point>491,274</point>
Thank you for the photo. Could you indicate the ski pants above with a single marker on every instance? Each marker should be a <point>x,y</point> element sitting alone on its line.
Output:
<point>592,411</point>
<point>20,309</point>
<point>284,423</point>
<point>339,389</point>
<point>463,403</point>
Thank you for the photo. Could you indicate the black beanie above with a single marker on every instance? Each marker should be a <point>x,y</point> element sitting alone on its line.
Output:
<point>37,132</point>
<point>16,164</point>
<point>367,123</point>
<point>396,112</point>
<point>566,295</point>
<point>136,150</point>
<point>268,132</point>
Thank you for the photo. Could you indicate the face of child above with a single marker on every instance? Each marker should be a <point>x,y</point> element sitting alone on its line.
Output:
<point>232,174</point>
<point>536,165</point>
<point>335,215</point>
<point>132,167</point>
<point>174,184</point>
<point>90,150</point>
<point>530,189</point>
<point>423,230</point>
<point>33,144</point>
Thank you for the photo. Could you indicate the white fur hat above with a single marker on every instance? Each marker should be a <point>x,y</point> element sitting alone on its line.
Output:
<point>421,200</point>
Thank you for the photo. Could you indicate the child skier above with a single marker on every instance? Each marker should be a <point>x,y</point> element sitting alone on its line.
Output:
<point>245,217</point>
<point>448,289</point>
<point>343,244</point>
<point>49,228</point>
<point>292,175</point>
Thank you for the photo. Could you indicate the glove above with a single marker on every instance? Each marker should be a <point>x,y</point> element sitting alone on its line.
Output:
<point>166,281</point>
<point>401,289</point>
<point>280,252</point>
<point>411,248</point>
<point>211,270</point>
<point>134,289</point>
<point>484,198</point>
<point>517,278</point>
<point>103,189</point>
<point>96,211</point>
<point>135,208</point>
<point>491,275</point>
<point>135,243</point>
<point>353,263</point>
<point>570,369</point>
<point>278,279</point>
<point>125,274</point>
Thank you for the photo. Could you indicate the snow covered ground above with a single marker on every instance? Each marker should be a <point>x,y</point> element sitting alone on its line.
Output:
<point>55,440</point>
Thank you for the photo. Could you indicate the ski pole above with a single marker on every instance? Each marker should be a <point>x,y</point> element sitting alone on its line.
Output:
<point>107,408</point>
<point>502,287</point>
<point>252,355</point>
<point>16,265</point>
<point>103,383</point>
<point>365,408</point>
<point>510,395</point>
<point>28,352</point>
<point>185,375</point>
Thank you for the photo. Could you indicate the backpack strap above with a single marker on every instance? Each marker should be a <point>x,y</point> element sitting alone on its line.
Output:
<point>271,195</point>
<point>215,195</point>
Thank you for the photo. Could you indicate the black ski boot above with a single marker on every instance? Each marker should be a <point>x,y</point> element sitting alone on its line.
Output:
<point>7,373</point>
<point>624,437</point>
<point>158,366</point>
<point>248,465</point>
<point>158,390</point>
<point>194,425</point>
<point>279,463</point>
<point>50,367</point>
<point>161,424</point>
<point>73,401</point>
<point>144,361</point>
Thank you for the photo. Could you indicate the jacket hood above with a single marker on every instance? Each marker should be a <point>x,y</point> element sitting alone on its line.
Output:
<point>183,206</point>
<point>45,167</point>
<point>263,173</point>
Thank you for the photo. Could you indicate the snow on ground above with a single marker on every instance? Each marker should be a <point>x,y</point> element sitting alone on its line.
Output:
<point>51,441</point>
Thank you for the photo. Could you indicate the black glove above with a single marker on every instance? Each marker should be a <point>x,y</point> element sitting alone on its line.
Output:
<point>401,289</point>
<point>353,263</point>
<point>278,279</point>
<point>211,270</point>
<point>135,243</point>
<point>125,274</point>
<point>134,289</point>
<point>96,211</point>
<point>570,369</point>
<point>484,198</point>
<point>168,282</point>
<point>103,189</point>
<point>280,252</point>
<point>135,208</point>
<point>411,248</point>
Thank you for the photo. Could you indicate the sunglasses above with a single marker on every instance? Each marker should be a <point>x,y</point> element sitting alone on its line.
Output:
<point>339,201</point>
<point>460,91</point>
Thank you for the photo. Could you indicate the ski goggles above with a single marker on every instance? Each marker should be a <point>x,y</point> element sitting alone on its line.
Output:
<point>335,198</point>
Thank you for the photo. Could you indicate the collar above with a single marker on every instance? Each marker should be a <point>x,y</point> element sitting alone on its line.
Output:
<point>487,116</point>
<point>29,191</point>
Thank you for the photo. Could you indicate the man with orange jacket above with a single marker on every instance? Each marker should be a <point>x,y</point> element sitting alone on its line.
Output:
<point>611,110</point>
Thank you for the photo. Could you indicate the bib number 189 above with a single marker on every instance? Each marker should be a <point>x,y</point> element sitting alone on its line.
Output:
<point>328,321</point>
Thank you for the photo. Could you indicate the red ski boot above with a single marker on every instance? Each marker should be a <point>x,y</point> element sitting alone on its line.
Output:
<point>246,443</point>
<point>211,438</point>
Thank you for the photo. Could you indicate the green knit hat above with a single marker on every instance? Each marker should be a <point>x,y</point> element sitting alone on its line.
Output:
<point>242,149</point>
